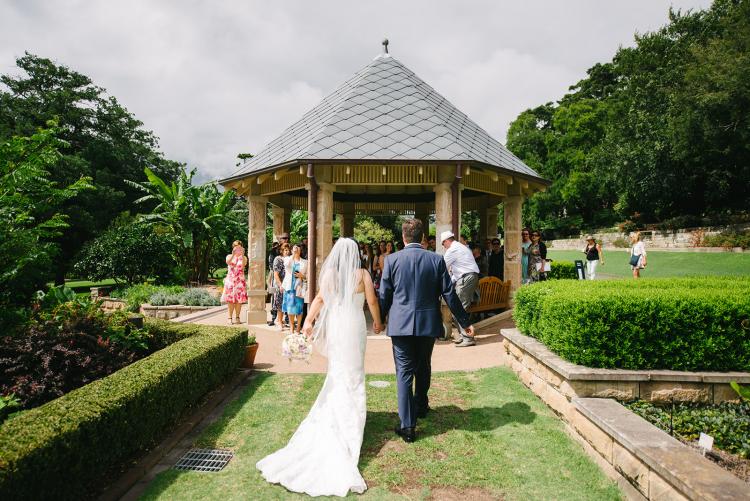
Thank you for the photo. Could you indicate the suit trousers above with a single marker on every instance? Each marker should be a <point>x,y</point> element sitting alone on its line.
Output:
<point>412,356</point>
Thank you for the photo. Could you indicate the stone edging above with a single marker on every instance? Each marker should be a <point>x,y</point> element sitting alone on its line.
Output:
<point>655,385</point>
<point>204,313</point>
<point>625,445</point>
<point>656,464</point>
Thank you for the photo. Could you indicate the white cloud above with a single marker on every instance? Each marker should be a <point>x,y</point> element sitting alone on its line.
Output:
<point>213,79</point>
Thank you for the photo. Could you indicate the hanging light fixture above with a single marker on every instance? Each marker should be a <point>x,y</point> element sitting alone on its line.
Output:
<point>348,170</point>
<point>384,171</point>
<point>421,170</point>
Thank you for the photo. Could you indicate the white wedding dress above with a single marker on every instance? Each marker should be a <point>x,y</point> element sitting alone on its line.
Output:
<point>321,457</point>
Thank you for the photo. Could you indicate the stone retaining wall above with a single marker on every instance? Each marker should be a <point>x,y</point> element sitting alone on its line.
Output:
<point>109,304</point>
<point>171,311</point>
<point>687,239</point>
<point>563,386</point>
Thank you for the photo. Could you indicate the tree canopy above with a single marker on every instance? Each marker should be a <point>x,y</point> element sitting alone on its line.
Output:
<point>662,131</point>
<point>100,139</point>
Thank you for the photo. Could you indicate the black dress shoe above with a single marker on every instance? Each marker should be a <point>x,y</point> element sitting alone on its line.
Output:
<point>422,413</point>
<point>408,434</point>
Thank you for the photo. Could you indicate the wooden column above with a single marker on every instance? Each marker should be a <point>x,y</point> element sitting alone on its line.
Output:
<point>256,256</point>
<point>422,212</point>
<point>346,221</point>
<point>443,220</point>
<point>324,223</point>
<point>488,222</point>
<point>280,217</point>
<point>512,227</point>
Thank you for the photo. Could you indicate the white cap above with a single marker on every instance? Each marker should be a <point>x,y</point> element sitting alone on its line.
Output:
<point>446,235</point>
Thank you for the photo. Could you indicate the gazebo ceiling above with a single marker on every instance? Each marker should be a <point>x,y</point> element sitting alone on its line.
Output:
<point>385,114</point>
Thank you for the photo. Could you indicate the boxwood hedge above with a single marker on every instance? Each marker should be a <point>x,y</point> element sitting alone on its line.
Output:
<point>64,448</point>
<point>678,324</point>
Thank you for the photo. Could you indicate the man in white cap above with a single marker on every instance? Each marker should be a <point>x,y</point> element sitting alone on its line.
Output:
<point>465,276</point>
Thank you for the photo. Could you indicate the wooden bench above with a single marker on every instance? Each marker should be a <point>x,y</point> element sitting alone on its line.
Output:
<point>494,295</point>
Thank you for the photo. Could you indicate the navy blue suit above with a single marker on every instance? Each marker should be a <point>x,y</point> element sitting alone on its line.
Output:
<point>412,283</point>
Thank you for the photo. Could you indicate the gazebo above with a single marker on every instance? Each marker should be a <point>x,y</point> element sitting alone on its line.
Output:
<point>384,142</point>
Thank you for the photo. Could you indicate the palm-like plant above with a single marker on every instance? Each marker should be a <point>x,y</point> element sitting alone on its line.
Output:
<point>197,217</point>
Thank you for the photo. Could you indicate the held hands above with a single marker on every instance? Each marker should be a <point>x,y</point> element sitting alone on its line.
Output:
<point>307,330</point>
<point>377,327</point>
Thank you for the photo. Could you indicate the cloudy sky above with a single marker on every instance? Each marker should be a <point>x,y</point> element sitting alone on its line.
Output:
<point>213,79</point>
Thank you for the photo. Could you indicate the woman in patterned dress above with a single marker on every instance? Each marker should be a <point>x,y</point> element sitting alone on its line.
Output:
<point>235,287</point>
<point>279,271</point>
<point>537,257</point>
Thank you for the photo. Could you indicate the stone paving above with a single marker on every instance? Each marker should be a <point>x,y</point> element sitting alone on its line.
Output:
<point>378,356</point>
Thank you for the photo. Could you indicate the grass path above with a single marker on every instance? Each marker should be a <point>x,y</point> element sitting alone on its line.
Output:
<point>488,437</point>
<point>667,264</point>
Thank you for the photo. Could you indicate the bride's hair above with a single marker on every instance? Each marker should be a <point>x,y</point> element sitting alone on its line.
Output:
<point>338,283</point>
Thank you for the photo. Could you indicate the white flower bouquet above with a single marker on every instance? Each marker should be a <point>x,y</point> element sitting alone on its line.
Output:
<point>296,347</point>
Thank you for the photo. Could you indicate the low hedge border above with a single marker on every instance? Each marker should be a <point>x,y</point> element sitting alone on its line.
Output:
<point>676,324</point>
<point>64,448</point>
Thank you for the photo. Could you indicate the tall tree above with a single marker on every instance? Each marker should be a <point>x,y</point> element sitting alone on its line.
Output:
<point>102,140</point>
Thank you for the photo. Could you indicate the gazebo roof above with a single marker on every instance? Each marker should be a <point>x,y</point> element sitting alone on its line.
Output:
<point>384,113</point>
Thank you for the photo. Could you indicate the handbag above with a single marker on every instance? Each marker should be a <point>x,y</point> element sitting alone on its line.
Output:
<point>271,287</point>
<point>635,259</point>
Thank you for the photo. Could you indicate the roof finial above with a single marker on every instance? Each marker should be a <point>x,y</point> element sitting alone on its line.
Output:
<point>385,45</point>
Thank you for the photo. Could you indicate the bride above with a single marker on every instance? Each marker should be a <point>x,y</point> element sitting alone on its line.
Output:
<point>321,457</point>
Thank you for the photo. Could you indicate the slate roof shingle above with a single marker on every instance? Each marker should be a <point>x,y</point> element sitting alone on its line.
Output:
<point>384,112</point>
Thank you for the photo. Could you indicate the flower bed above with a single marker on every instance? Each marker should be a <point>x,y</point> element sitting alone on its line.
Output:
<point>677,324</point>
<point>69,444</point>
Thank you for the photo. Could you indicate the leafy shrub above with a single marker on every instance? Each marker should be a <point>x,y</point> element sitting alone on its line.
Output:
<point>30,218</point>
<point>727,422</point>
<point>69,445</point>
<point>678,324</point>
<point>621,243</point>
<point>561,270</point>
<point>66,348</point>
<point>728,239</point>
<point>137,295</point>
<point>189,297</point>
<point>129,252</point>
<point>9,403</point>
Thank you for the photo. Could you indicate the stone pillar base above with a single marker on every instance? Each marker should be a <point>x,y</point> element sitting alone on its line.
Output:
<point>256,317</point>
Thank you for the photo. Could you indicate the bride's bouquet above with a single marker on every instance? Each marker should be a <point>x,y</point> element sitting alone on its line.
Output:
<point>296,347</point>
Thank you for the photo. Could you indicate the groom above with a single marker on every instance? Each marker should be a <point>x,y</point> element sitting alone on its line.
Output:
<point>411,285</point>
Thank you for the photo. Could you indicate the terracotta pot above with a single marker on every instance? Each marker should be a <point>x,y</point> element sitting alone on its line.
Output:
<point>249,359</point>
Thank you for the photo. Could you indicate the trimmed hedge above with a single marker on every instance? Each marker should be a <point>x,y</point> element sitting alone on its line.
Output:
<point>562,270</point>
<point>677,324</point>
<point>64,448</point>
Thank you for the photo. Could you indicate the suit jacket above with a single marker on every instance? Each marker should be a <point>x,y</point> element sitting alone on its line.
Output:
<point>411,285</point>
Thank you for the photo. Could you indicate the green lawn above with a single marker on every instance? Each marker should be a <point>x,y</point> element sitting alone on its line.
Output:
<point>666,264</point>
<point>488,437</point>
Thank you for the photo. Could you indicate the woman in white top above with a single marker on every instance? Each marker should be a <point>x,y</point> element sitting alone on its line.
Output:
<point>294,288</point>
<point>638,249</point>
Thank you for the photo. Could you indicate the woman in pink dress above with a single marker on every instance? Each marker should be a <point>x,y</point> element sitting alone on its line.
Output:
<point>235,286</point>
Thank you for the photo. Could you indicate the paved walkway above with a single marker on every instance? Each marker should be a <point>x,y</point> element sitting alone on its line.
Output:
<point>378,356</point>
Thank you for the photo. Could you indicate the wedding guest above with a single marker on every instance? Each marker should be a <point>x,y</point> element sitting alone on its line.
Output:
<point>279,272</point>
<point>464,273</point>
<point>294,288</point>
<point>432,244</point>
<point>462,240</point>
<point>594,255</point>
<point>386,250</point>
<point>537,258</point>
<point>367,258</point>
<point>235,287</point>
<point>481,260</point>
<point>487,248</point>
<point>637,254</point>
<point>495,262</point>
<point>399,246</point>
<point>425,244</point>
<point>525,244</point>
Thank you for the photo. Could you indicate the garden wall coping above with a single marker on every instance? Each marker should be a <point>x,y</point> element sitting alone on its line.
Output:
<point>572,371</point>
<point>671,459</point>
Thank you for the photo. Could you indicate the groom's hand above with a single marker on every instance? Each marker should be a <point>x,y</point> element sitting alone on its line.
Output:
<point>470,331</point>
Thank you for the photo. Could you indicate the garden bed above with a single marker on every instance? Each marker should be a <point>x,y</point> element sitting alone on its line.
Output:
<point>69,445</point>
<point>728,423</point>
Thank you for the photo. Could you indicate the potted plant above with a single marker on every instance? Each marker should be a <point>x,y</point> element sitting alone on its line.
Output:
<point>250,350</point>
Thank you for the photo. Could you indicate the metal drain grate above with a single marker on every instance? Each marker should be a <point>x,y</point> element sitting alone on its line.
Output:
<point>204,460</point>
